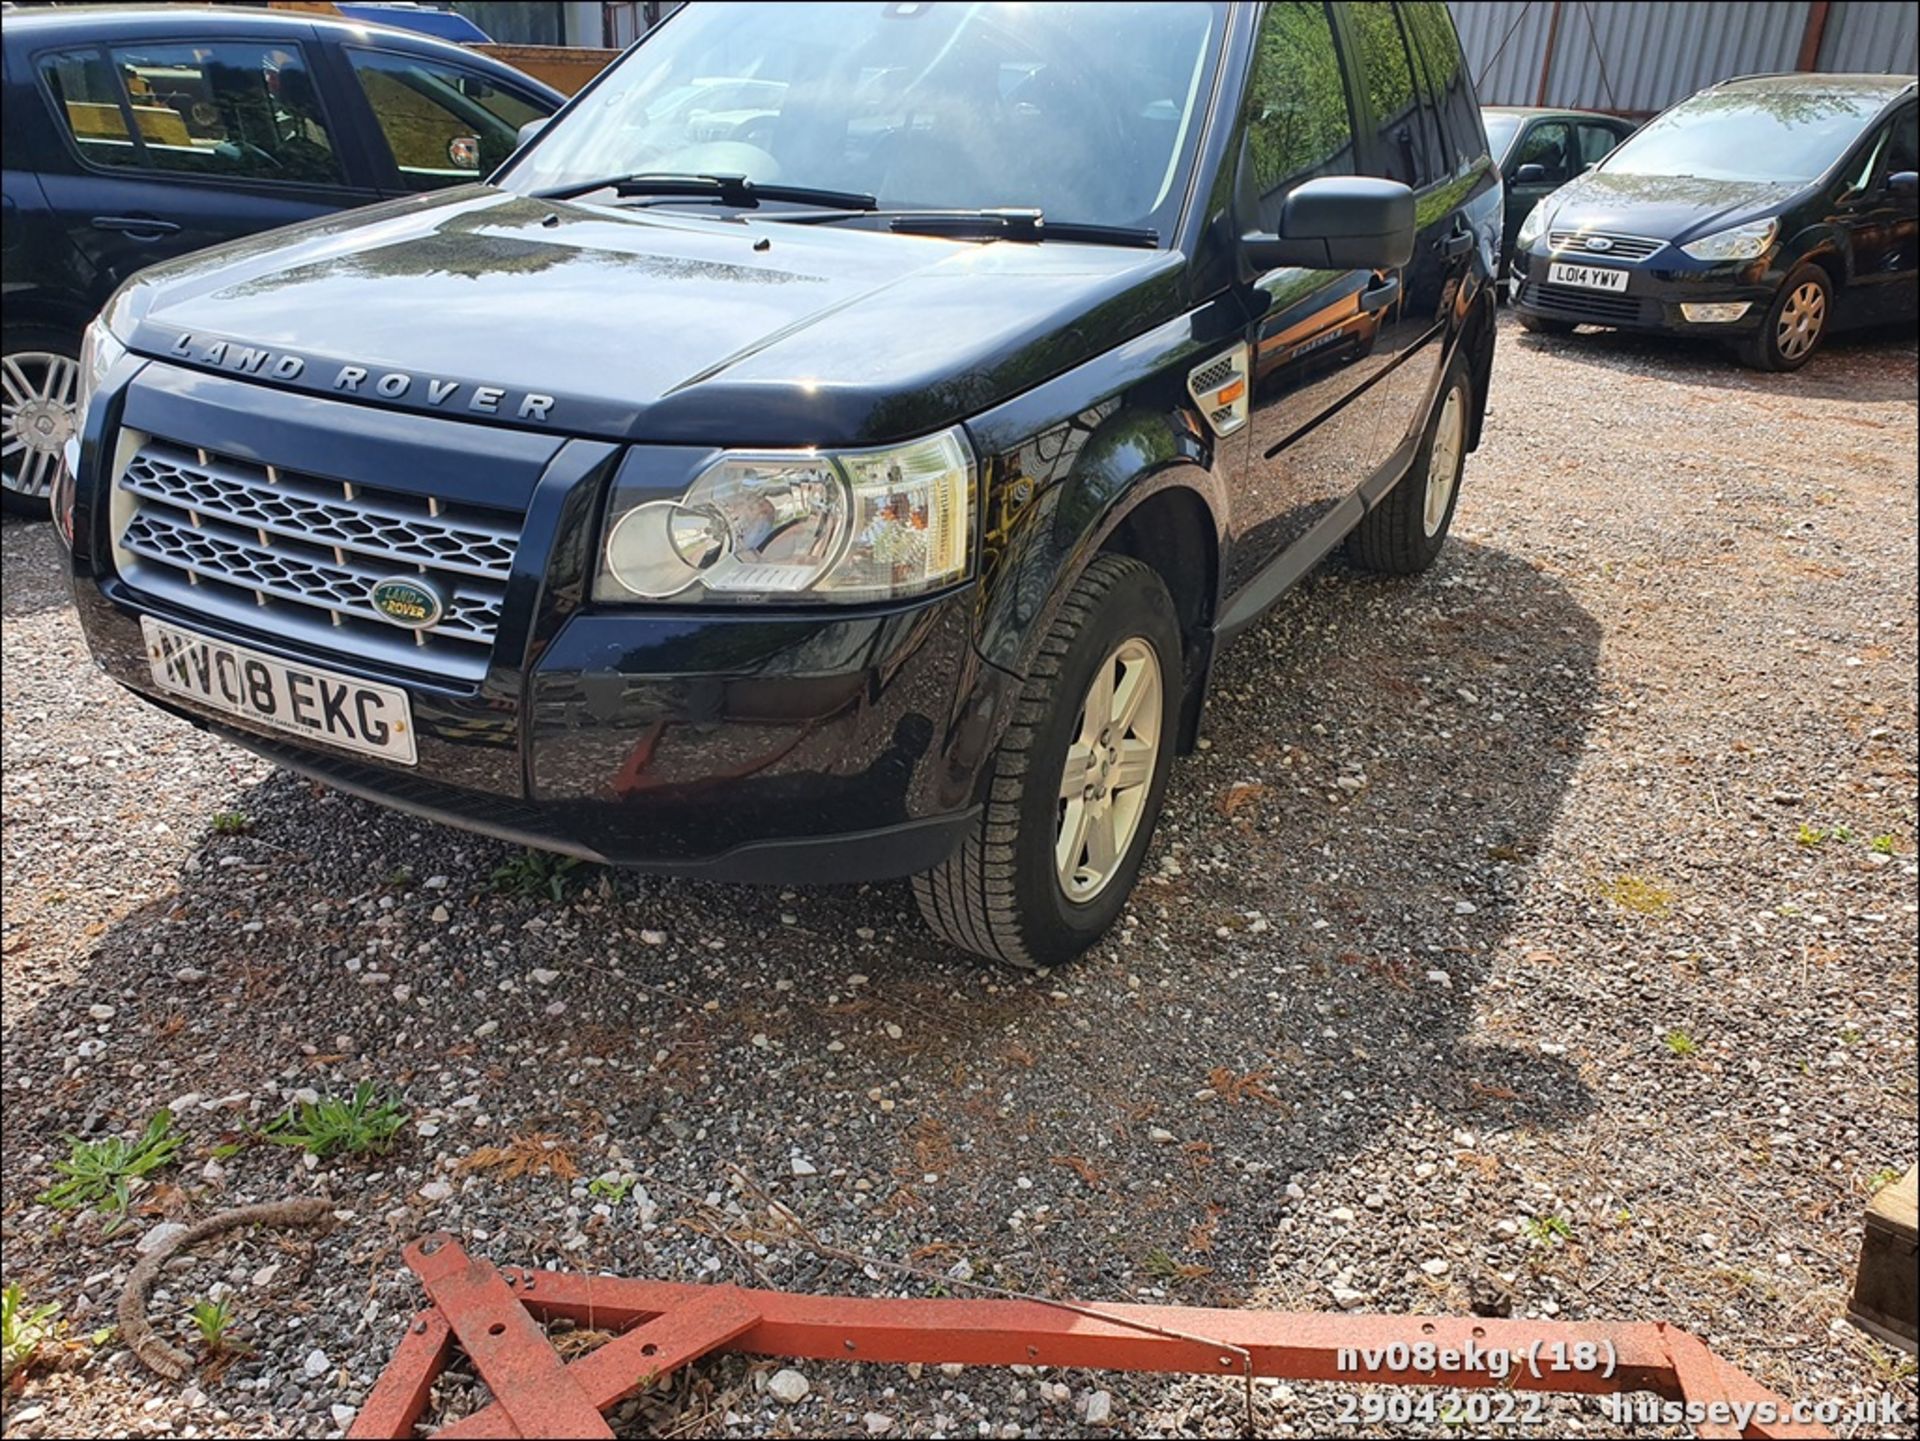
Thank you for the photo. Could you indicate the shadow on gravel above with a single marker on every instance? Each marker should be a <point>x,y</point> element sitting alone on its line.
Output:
<point>1294,997</point>
<point>1870,364</point>
<point>33,574</point>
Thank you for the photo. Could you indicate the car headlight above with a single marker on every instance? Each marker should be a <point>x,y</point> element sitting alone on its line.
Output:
<point>1743,242</point>
<point>100,349</point>
<point>805,526</point>
<point>1532,226</point>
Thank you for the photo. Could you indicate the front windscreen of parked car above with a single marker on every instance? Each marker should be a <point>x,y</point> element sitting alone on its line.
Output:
<point>1087,112</point>
<point>1760,135</point>
<point>1501,128</point>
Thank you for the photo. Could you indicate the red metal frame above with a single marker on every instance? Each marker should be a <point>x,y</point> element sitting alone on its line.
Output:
<point>495,1317</point>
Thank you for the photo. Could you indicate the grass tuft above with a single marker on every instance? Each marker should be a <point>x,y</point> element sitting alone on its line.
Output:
<point>539,873</point>
<point>101,1173</point>
<point>24,1329</point>
<point>365,1122</point>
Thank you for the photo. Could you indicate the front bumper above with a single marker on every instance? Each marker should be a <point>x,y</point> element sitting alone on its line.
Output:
<point>1657,287</point>
<point>782,746</point>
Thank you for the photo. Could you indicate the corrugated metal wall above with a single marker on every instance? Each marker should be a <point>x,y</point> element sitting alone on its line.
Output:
<point>1613,55</point>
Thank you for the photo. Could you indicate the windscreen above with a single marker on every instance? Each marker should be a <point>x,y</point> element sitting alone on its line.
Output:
<point>1764,135</point>
<point>1088,112</point>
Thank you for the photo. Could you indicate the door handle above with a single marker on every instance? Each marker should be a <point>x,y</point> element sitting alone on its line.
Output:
<point>1458,243</point>
<point>140,227</point>
<point>1379,295</point>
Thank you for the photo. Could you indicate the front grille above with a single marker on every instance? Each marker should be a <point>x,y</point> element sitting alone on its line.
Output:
<point>1565,303</point>
<point>296,555</point>
<point>1614,247</point>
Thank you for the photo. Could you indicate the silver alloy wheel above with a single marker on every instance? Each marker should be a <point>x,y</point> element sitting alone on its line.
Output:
<point>36,418</point>
<point>1109,770</point>
<point>1443,459</point>
<point>1801,320</point>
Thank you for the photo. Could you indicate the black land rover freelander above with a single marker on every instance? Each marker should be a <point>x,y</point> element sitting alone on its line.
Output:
<point>835,448</point>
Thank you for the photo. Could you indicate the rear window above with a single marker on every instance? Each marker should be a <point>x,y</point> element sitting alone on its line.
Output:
<point>1760,135</point>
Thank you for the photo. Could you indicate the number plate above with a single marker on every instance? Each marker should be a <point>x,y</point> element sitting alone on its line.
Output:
<point>1587,277</point>
<point>318,705</point>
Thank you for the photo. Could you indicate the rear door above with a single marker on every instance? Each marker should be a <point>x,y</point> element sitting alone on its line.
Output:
<point>182,143</point>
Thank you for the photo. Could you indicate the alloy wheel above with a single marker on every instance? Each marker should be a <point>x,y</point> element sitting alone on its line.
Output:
<point>1443,459</point>
<point>36,418</point>
<point>1109,770</point>
<point>1801,320</point>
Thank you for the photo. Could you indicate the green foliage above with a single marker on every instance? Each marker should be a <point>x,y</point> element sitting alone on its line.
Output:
<point>1881,1179</point>
<point>364,1122</point>
<point>1882,845</point>
<point>612,1189</point>
<point>1680,1043</point>
<point>101,1173</point>
<point>1548,1230</point>
<point>231,823</point>
<point>1812,835</point>
<point>23,1329</point>
<point>212,1319</point>
<point>1158,1263</point>
<point>539,873</point>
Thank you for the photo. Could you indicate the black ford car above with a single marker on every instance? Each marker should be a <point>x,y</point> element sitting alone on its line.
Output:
<point>854,476</point>
<point>1767,212</point>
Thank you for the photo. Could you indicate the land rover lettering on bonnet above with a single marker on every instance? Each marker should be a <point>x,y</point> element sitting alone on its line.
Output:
<point>859,481</point>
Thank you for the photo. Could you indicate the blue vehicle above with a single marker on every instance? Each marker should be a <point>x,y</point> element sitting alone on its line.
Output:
<point>133,136</point>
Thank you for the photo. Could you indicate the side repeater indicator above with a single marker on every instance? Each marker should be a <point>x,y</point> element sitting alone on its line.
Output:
<point>1220,387</point>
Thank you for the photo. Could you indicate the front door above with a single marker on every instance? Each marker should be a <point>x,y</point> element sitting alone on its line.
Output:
<point>1884,225</point>
<point>1313,336</point>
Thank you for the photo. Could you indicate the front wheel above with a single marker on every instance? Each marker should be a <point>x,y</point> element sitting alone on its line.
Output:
<point>1794,325</point>
<point>1077,780</point>
<point>40,379</point>
<point>1403,534</point>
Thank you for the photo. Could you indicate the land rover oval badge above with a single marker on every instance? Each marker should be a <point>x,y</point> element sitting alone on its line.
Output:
<point>409,600</point>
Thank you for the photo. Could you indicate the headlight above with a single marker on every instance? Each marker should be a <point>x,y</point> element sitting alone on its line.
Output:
<point>1743,242</point>
<point>799,526</point>
<point>1531,227</point>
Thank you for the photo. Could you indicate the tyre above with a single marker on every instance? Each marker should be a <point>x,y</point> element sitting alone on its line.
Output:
<point>1541,325</point>
<point>1077,780</point>
<point>1403,534</point>
<point>1794,324</point>
<point>40,378</point>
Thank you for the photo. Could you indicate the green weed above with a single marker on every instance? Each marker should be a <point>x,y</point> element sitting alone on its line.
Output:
<point>212,1319</point>
<point>231,823</point>
<point>23,1328</point>
<point>1680,1043</point>
<point>539,873</point>
<point>1548,1230</point>
<point>101,1173</point>
<point>364,1122</point>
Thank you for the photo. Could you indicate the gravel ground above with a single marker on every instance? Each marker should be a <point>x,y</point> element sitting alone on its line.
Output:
<point>1544,926</point>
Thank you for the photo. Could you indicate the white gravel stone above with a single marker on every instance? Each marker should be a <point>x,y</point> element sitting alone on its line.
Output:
<point>788,1386</point>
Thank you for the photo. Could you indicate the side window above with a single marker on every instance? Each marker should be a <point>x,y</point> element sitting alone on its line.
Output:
<point>229,109</point>
<point>1596,143</point>
<point>1401,147</point>
<point>1550,146</point>
<point>1431,29</point>
<point>1903,146</point>
<point>444,125</point>
<point>86,98</point>
<point>1298,124</point>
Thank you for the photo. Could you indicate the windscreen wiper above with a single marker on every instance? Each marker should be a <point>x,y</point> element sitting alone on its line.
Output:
<point>1029,225</point>
<point>993,224</point>
<point>723,189</point>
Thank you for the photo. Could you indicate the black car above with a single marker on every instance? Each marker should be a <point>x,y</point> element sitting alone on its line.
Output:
<point>1765,212</point>
<point>135,135</point>
<point>853,478</point>
<point>1538,151</point>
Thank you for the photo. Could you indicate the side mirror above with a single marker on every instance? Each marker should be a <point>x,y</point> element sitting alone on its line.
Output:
<point>1904,183</point>
<point>1530,175</point>
<point>529,130</point>
<point>1338,222</point>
